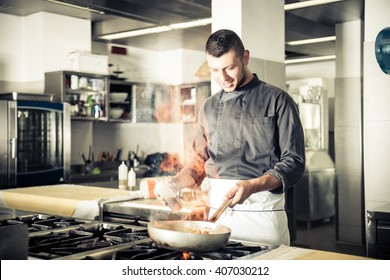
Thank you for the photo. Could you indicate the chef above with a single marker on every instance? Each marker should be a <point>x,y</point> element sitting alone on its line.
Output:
<point>249,146</point>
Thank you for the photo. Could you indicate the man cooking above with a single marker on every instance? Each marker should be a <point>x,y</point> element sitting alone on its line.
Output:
<point>249,145</point>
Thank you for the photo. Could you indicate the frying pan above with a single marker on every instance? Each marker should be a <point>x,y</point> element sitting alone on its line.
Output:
<point>181,236</point>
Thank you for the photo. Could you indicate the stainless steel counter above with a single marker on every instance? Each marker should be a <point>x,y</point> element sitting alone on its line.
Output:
<point>151,209</point>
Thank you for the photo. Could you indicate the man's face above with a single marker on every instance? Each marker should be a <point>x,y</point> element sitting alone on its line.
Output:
<point>228,70</point>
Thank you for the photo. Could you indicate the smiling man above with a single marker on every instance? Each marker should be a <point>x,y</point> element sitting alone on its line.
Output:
<point>249,145</point>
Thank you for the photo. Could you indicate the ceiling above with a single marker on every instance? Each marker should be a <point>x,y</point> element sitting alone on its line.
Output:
<point>122,15</point>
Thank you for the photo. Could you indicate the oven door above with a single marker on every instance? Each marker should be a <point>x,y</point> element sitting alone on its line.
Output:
<point>41,143</point>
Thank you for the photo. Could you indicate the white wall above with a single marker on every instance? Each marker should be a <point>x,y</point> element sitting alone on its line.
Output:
<point>376,98</point>
<point>11,48</point>
<point>173,67</point>
<point>33,45</point>
<point>179,66</point>
<point>323,69</point>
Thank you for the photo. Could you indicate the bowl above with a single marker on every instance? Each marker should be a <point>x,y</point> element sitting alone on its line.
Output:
<point>115,113</point>
<point>118,96</point>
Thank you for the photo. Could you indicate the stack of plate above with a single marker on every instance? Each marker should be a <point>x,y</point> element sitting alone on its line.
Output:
<point>115,113</point>
<point>118,96</point>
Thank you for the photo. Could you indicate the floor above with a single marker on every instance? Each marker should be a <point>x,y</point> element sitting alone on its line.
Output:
<point>322,236</point>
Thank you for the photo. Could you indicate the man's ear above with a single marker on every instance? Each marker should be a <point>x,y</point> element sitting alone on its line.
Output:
<point>246,57</point>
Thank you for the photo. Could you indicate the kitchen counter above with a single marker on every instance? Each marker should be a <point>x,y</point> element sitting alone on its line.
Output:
<point>63,200</point>
<point>94,202</point>
<point>284,252</point>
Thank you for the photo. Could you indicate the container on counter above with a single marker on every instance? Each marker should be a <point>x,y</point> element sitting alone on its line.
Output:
<point>122,176</point>
<point>131,180</point>
<point>147,185</point>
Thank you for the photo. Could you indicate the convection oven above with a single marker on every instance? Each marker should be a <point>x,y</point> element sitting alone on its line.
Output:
<point>35,140</point>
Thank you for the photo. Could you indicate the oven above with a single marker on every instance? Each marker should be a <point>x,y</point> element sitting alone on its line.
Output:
<point>35,140</point>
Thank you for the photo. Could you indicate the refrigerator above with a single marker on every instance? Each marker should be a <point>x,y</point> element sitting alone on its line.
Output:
<point>34,140</point>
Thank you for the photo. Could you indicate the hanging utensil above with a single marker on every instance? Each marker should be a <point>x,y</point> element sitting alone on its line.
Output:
<point>83,157</point>
<point>89,154</point>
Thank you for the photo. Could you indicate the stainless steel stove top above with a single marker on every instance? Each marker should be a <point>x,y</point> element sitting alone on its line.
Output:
<point>53,237</point>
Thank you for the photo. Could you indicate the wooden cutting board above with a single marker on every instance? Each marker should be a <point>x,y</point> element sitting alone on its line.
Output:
<point>284,252</point>
<point>63,200</point>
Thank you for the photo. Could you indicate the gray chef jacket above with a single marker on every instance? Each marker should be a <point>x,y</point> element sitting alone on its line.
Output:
<point>246,133</point>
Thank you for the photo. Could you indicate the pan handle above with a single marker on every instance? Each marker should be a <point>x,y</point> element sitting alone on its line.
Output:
<point>220,210</point>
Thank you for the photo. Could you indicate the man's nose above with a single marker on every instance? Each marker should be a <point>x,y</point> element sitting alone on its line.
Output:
<point>224,75</point>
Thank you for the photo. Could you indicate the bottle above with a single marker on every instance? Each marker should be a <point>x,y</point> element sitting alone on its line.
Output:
<point>131,180</point>
<point>122,176</point>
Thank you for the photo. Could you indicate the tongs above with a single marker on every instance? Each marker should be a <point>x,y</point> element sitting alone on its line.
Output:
<point>220,210</point>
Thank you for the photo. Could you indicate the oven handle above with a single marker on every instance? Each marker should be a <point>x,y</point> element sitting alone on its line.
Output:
<point>13,148</point>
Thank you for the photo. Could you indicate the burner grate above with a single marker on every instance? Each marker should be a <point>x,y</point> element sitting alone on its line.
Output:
<point>149,250</point>
<point>65,242</point>
<point>39,222</point>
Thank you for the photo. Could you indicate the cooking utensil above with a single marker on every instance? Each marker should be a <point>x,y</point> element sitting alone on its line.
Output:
<point>83,157</point>
<point>220,210</point>
<point>179,235</point>
<point>89,154</point>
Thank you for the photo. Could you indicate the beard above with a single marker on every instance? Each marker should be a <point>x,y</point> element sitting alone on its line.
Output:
<point>241,81</point>
<point>243,78</point>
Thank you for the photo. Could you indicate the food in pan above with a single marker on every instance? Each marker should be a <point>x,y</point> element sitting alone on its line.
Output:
<point>197,230</point>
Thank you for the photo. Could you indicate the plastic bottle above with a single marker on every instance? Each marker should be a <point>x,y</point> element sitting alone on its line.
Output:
<point>131,180</point>
<point>122,176</point>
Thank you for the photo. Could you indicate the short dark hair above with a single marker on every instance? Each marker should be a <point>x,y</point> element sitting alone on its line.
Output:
<point>222,41</point>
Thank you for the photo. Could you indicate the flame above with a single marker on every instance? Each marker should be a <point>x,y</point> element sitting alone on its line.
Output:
<point>185,256</point>
<point>171,164</point>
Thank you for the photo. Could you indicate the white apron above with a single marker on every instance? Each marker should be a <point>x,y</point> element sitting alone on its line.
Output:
<point>260,219</point>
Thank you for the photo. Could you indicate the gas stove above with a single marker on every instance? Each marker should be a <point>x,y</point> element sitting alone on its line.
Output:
<point>62,238</point>
<point>149,250</point>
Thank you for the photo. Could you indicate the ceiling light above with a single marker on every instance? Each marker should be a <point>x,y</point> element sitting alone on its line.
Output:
<point>309,3</point>
<point>189,24</point>
<point>157,29</point>
<point>310,59</point>
<point>134,33</point>
<point>311,41</point>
